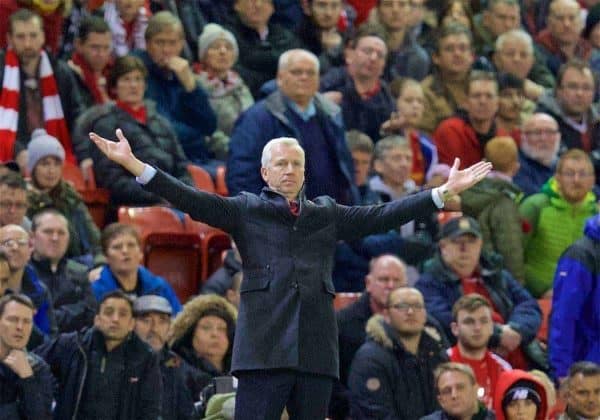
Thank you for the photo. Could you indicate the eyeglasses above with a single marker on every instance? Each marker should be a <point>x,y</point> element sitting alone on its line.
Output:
<point>573,174</point>
<point>14,243</point>
<point>13,204</point>
<point>540,133</point>
<point>368,51</point>
<point>404,307</point>
<point>447,390</point>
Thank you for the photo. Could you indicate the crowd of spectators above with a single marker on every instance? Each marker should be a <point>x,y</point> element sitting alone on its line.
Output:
<point>382,95</point>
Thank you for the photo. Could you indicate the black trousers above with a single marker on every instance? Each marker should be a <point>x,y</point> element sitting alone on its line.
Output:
<point>262,394</point>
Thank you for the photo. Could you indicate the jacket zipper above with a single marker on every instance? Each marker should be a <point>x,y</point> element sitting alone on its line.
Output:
<point>82,384</point>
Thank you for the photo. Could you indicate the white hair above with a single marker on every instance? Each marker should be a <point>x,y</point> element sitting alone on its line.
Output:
<point>514,34</point>
<point>285,59</point>
<point>286,141</point>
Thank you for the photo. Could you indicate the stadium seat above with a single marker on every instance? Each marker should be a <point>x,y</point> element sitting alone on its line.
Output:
<point>73,175</point>
<point>220,184</point>
<point>344,299</point>
<point>202,179</point>
<point>214,242</point>
<point>96,199</point>
<point>546,307</point>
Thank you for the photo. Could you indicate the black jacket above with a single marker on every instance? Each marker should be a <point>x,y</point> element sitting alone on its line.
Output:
<point>72,299</point>
<point>177,401</point>
<point>26,399</point>
<point>286,317</point>
<point>68,357</point>
<point>390,383</point>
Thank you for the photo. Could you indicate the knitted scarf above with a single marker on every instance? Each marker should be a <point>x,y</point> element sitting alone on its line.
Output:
<point>85,72</point>
<point>54,118</point>
<point>122,42</point>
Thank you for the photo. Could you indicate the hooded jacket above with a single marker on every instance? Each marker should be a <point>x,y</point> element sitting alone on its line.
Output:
<point>574,334</point>
<point>506,380</point>
<point>494,203</point>
<point>554,225</point>
<point>389,382</point>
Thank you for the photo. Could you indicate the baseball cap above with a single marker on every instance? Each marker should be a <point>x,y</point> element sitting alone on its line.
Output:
<point>459,226</point>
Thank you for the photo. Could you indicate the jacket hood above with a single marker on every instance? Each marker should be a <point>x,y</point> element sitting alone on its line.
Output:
<point>550,188</point>
<point>506,380</point>
<point>381,332</point>
<point>486,192</point>
<point>592,228</point>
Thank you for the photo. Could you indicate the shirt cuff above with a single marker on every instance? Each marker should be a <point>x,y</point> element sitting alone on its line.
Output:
<point>147,175</point>
<point>435,196</point>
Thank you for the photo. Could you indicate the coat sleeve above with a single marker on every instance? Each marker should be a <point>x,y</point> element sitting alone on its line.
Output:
<point>371,385</point>
<point>507,236</point>
<point>526,316</point>
<point>149,402</point>
<point>573,284</point>
<point>80,314</point>
<point>36,395</point>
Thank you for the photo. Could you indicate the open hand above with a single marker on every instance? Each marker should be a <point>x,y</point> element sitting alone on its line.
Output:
<point>459,181</point>
<point>119,152</point>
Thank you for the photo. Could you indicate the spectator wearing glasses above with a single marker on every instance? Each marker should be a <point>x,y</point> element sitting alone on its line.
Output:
<point>392,373</point>
<point>13,200</point>
<point>555,218</point>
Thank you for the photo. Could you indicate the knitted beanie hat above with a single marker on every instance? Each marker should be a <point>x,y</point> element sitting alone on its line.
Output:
<point>210,34</point>
<point>41,145</point>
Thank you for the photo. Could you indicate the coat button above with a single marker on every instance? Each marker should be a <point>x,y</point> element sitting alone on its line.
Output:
<point>295,285</point>
<point>295,228</point>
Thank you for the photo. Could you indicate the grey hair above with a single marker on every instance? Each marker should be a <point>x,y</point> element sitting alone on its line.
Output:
<point>161,22</point>
<point>383,146</point>
<point>267,150</point>
<point>287,57</point>
<point>518,34</point>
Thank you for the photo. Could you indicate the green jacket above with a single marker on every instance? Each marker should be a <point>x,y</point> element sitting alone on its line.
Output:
<point>84,234</point>
<point>554,224</point>
<point>494,203</point>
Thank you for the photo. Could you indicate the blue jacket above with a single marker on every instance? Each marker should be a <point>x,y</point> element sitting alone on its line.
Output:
<point>441,288</point>
<point>532,175</point>
<point>150,284</point>
<point>189,113</point>
<point>575,320</point>
<point>269,119</point>
<point>37,291</point>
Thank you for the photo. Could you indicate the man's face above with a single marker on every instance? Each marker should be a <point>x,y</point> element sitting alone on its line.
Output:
<point>153,328</point>
<point>285,171</point>
<point>394,14</point>
<point>461,254</point>
<point>367,60</point>
<point>15,242</point>
<point>395,166</point>
<point>583,395</point>
<point>576,92</point>
<point>128,9</point>
<point>406,311</point>
<point>362,165</point>
<point>510,103</point>
<point>13,205</point>
<point>575,179</point>
<point>473,329</point>
<point>482,100</point>
<point>16,323</point>
<point>27,39</point>
<point>165,45</point>
<point>540,139</point>
<point>123,254</point>
<point>386,275</point>
<point>254,13</point>
<point>51,237</point>
<point>325,13</point>
<point>455,55</point>
<point>4,277</point>
<point>502,18</point>
<point>417,13</point>
<point>299,81</point>
<point>515,57</point>
<point>457,394</point>
<point>95,49</point>
<point>115,319</point>
<point>565,22</point>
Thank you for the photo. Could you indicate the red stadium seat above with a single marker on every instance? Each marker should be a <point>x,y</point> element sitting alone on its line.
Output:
<point>202,179</point>
<point>342,300</point>
<point>214,242</point>
<point>546,307</point>
<point>220,184</point>
<point>73,175</point>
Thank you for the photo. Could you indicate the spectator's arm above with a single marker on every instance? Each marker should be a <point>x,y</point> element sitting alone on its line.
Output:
<point>526,316</point>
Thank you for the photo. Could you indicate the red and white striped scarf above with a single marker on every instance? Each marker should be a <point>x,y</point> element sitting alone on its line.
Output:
<point>54,117</point>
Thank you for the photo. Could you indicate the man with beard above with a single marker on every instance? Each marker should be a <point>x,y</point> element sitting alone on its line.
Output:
<point>473,327</point>
<point>392,373</point>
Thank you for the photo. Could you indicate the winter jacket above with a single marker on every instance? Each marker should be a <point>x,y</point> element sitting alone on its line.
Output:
<point>553,54</point>
<point>221,280</point>
<point>29,398</point>
<point>365,115</point>
<point>506,380</point>
<point>482,414</point>
<point>287,294</point>
<point>72,299</point>
<point>442,100</point>
<point>575,320</point>
<point>177,401</point>
<point>39,294</point>
<point>154,142</point>
<point>532,175</point>
<point>69,358</point>
<point>149,284</point>
<point>456,138</point>
<point>554,224</point>
<point>84,236</point>
<point>258,59</point>
<point>70,100</point>
<point>228,100</point>
<point>441,288</point>
<point>390,383</point>
<point>189,113</point>
<point>494,203</point>
<point>269,119</point>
